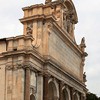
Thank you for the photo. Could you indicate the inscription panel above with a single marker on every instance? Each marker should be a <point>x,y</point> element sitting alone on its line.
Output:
<point>69,60</point>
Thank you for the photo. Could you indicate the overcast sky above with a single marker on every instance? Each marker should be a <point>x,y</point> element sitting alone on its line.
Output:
<point>88,26</point>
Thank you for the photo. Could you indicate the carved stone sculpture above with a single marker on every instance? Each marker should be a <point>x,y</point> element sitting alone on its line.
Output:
<point>84,77</point>
<point>70,27</point>
<point>82,45</point>
<point>67,21</point>
<point>29,29</point>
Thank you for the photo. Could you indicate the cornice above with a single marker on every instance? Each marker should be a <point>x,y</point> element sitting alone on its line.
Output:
<point>37,17</point>
<point>32,53</point>
<point>42,5</point>
<point>32,6</point>
<point>19,37</point>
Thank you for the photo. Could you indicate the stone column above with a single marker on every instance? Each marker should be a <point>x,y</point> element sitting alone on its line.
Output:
<point>45,87</point>
<point>60,91</point>
<point>27,84</point>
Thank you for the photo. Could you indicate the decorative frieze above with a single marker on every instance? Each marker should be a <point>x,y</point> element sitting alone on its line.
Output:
<point>14,67</point>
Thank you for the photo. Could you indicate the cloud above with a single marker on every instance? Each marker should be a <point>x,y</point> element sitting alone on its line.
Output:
<point>11,12</point>
<point>88,27</point>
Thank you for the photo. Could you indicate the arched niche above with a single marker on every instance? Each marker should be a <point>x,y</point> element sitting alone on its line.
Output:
<point>66,94</point>
<point>76,96</point>
<point>53,93</point>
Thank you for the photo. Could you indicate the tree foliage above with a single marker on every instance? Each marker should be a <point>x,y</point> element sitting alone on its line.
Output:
<point>91,96</point>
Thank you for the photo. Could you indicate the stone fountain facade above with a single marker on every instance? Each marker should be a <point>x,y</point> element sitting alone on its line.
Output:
<point>44,63</point>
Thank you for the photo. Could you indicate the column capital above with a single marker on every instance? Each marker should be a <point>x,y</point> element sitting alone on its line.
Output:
<point>14,66</point>
<point>27,66</point>
<point>40,73</point>
<point>46,74</point>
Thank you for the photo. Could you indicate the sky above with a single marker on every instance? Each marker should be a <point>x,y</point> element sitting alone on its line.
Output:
<point>88,26</point>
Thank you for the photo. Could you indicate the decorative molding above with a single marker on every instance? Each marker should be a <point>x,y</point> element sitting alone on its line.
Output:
<point>19,66</point>
<point>14,67</point>
<point>9,67</point>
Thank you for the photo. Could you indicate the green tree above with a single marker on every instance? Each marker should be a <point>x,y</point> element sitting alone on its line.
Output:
<point>91,96</point>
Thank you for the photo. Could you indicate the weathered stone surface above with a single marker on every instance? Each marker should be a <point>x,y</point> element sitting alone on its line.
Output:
<point>64,54</point>
<point>2,46</point>
<point>2,81</point>
<point>45,62</point>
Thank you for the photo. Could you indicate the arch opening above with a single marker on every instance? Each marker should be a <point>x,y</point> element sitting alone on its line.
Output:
<point>76,97</point>
<point>52,93</point>
<point>32,97</point>
<point>65,95</point>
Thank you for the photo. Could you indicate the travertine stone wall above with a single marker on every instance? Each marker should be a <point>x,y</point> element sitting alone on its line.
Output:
<point>39,87</point>
<point>14,84</point>
<point>2,80</point>
<point>59,50</point>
